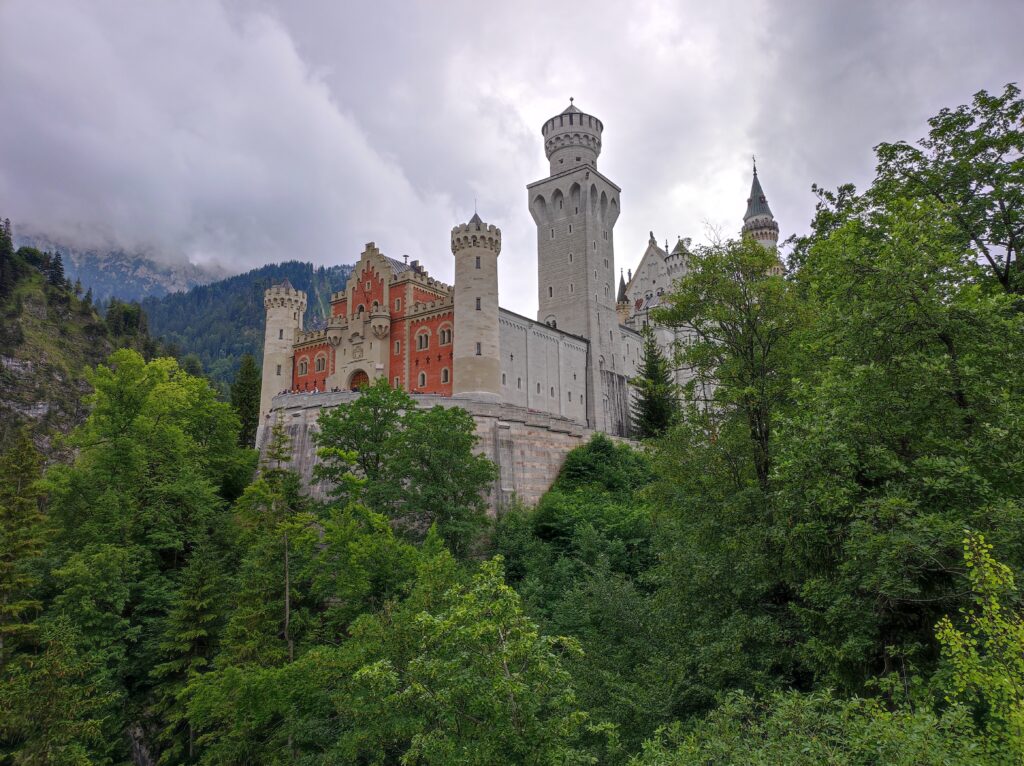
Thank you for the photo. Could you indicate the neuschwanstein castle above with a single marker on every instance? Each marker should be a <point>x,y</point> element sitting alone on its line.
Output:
<point>536,388</point>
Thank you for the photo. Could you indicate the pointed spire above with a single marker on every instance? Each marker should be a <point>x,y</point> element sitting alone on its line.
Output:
<point>757,203</point>
<point>476,219</point>
<point>622,289</point>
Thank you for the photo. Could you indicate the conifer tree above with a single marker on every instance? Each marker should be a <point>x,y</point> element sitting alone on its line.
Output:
<point>22,538</point>
<point>6,258</point>
<point>245,398</point>
<point>186,646</point>
<point>656,406</point>
<point>55,273</point>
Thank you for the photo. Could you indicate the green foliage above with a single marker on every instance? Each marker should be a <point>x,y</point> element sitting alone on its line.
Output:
<point>416,466</point>
<point>23,533</point>
<point>987,656</point>
<point>815,729</point>
<point>58,705</point>
<point>972,165</point>
<point>245,398</point>
<point>656,406</point>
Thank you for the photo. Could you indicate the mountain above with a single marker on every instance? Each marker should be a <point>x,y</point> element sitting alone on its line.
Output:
<point>120,274</point>
<point>222,321</point>
<point>49,335</point>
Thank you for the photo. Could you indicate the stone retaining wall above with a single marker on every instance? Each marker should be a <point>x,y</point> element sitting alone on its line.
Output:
<point>528,447</point>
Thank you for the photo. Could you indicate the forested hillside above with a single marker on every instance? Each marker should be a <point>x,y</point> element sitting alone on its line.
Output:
<point>222,321</point>
<point>50,335</point>
<point>821,565</point>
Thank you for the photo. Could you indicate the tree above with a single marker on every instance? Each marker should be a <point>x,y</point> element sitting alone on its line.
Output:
<point>58,705</point>
<point>55,274</point>
<point>365,428</point>
<point>739,316</point>
<point>7,267</point>
<point>987,656</point>
<point>484,687</point>
<point>417,467</point>
<point>23,534</point>
<point>186,648</point>
<point>656,406</point>
<point>245,398</point>
<point>972,164</point>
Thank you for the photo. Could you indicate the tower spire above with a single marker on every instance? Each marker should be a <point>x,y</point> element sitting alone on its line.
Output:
<point>758,221</point>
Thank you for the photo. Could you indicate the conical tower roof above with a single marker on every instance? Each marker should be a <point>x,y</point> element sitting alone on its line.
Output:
<point>476,219</point>
<point>757,203</point>
<point>622,289</point>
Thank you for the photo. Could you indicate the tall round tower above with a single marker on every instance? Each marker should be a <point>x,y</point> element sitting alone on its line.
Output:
<point>477,364</point>
<point>284,306</point>
<point>572,138</point>
<point>758,222</point>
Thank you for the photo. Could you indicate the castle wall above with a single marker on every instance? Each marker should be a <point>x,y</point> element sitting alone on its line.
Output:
<point>527,447</point>
<point>542,369</point>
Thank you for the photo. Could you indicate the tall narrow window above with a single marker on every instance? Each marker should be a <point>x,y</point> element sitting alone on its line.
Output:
<point>278,369</point>
<point>478,261</point>
<point>550,291</point>
<point>423,380</point>
<point>570,228</point>
<point>444,375</point>
<point>478,349</point>
<point>552,234</point>
<point>280,334</point>
<point>477,304</point>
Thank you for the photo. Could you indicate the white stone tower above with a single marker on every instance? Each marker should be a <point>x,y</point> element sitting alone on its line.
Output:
<point>476,364</point>
<point>758,222</point>
<point>575,209</point>
<point>285,306</point>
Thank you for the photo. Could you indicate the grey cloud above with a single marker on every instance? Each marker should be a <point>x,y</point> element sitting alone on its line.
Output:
<point>245,132</point>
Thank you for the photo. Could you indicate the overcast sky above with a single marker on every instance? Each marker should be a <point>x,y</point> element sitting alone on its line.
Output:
<point>241,132</point>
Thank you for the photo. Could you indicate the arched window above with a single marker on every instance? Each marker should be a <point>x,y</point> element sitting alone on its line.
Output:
<point>423,340</point>
<point>445,335</point>
<point>423,380</point>
<point>445,377</point>
<point>375,308</point>
<point>398,304</point>
<point>321,363</point>
<point>398,347</point>
<point>360,309</point>
<point>303,367</point>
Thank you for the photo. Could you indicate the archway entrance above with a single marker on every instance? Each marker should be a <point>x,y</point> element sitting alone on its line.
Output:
<point>358,380</point>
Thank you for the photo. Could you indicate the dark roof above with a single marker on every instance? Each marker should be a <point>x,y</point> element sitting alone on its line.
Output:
<point>621,298</point>
<point>757,204</point>
<point>679,248</point>
<point>286,284</point>
<point>476,219</point>
<point>571,109</point>
<point>397,267</point>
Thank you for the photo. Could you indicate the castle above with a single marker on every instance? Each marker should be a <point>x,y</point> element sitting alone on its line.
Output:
<point>550,381</point>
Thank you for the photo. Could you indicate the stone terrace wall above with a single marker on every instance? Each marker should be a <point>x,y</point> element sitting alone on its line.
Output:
<point>528,447</point>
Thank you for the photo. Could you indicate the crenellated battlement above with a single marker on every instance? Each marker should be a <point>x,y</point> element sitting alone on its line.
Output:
<point>487,236</point>
<point>284,296</point>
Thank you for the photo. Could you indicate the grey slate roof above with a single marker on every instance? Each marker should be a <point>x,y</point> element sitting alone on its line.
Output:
<point>621,297</point>
<point>476,219</point>
<point>397,267</point>
<point>757,204</point>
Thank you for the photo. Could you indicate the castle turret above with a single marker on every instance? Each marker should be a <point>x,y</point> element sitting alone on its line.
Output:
<point>575,209</point>
<point>572,138</point>
<point>284,306</point>
<point>758,222</point>
<point>476,362</point>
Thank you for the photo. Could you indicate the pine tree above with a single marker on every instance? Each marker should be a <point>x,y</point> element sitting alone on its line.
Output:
<point>656,406</point>
<point>55,273</point>
<point>186,647</point>
<point>22,538</point>
<point>78,287</point>
<point>87,300</point>
<point>6,258</point>
<point>245,398</point>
